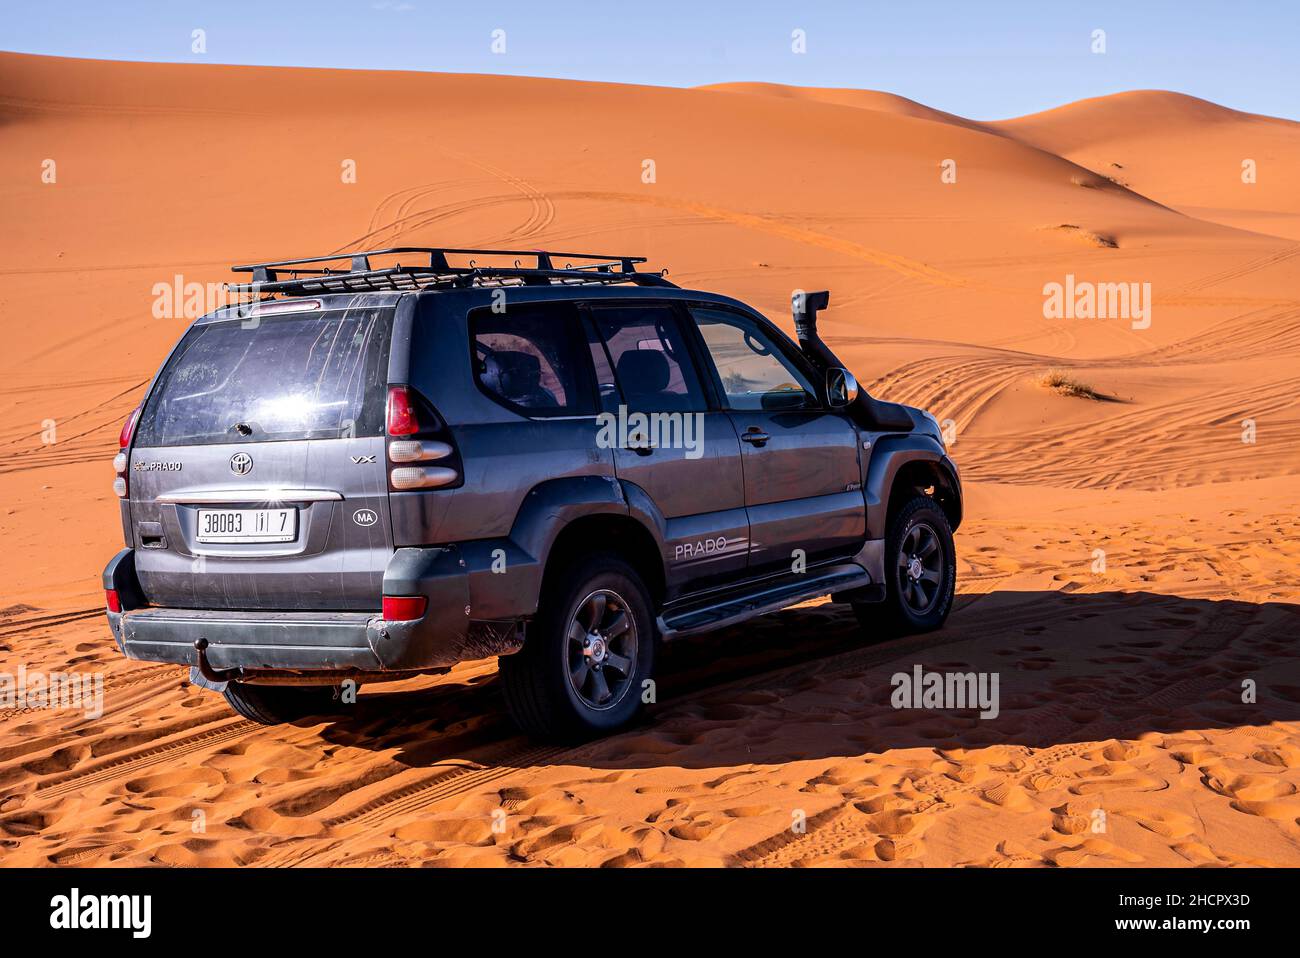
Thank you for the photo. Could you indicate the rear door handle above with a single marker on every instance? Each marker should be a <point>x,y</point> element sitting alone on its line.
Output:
<point>639,445</point>
<point>755,436</point>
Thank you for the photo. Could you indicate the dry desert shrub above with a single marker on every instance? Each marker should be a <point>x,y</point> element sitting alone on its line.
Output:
<point>1059,381</point>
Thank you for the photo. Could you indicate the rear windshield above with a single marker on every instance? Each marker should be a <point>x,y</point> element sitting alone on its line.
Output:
<point>316,376</point>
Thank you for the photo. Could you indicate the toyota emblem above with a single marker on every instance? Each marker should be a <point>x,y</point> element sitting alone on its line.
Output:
<point>241,463</point>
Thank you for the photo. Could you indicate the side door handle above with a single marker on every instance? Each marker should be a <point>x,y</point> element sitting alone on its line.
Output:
<point>639,444</point>
<point>755,436</point>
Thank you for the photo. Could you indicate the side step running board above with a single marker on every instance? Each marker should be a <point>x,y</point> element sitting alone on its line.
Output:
<point>730,609</point>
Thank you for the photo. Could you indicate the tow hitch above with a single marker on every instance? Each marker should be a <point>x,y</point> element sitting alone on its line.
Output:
<point>206,669</point>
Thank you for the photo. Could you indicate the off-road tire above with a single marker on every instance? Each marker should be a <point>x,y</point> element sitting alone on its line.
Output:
<point>919,520</point>
<point>539,680</point>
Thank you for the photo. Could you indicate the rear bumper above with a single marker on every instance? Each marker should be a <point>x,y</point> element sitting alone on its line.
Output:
<point>267,641</point>
<point>293,641</point>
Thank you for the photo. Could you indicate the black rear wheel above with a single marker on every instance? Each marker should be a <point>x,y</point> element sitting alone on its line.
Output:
<point>584,665</point>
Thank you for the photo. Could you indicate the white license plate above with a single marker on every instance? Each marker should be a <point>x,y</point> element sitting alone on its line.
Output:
<point>248,525</point>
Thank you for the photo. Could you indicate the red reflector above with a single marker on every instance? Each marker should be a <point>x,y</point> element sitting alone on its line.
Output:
<point>114,603</point>
<point>401,412</point>
<point>404,608</point>
<point>128,429</point>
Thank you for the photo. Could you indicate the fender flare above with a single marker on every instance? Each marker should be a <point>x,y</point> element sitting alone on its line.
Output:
<point>547,509</point>
<point>551,505</point>
<point>888,456</point>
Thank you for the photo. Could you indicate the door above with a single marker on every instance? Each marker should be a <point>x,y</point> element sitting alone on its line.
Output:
<point>257,476</point>
<point>669,442</point>
<point>802,477</point>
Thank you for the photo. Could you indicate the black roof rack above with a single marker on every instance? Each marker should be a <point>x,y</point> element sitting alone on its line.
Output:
<point>311,276</point>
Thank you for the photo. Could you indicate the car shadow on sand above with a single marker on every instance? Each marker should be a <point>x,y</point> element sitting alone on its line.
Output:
<point>809,683</point>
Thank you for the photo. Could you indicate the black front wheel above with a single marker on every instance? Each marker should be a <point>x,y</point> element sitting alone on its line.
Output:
<point>920,572</point>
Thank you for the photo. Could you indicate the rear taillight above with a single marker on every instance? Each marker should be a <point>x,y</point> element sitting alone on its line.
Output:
<point>413,450</point>
<point>418,435</point>
<point>119,461</point>
<point>402,420</point>
<point>403,608</point>
<point>128,429</point>
<point>423,477</point>
<point>112,600</point>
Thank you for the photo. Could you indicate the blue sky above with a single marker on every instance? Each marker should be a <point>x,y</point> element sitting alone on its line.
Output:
<point>985,60</point>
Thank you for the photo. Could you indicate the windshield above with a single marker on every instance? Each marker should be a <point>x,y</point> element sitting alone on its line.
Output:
<point>319,376</point>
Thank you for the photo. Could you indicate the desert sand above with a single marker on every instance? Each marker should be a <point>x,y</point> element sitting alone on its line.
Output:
<point>1121,682</point>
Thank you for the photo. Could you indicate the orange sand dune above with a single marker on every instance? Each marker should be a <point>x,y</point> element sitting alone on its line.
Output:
<point>862,99</point>
<point>1185,152</point>
<point>1122,676</point>
<point>1181,151</point>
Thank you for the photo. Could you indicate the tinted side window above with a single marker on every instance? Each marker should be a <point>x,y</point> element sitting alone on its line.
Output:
<point>752,370</point>
<point>533,359</point>
<point>651,363</point>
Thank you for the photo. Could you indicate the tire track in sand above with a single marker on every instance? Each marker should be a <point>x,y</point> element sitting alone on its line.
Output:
<point>519,760</point>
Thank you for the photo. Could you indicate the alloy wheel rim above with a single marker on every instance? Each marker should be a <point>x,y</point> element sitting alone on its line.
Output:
<point>601,650</point>
<point>920,568</point>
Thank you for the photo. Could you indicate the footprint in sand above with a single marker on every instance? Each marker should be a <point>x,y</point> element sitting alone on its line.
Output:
<point>200,783</point>
<point>1281,756</point>
<point>1008,795</point>
<point>1092,851</point>
<point>1198,853</point>
<point>571,843</point>
<point>1067,822</point>
<point>1264,796</point>
<point>894,849</point>
<point>264,821</point>
<point>1249,787</point>
<point>1166,823</point>
<point>1009,854</point>
<point>1194,755</point>
<point>1120,775</point>
<point>848,773</point>
<point>461,831</point>
<point>700,829</point>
